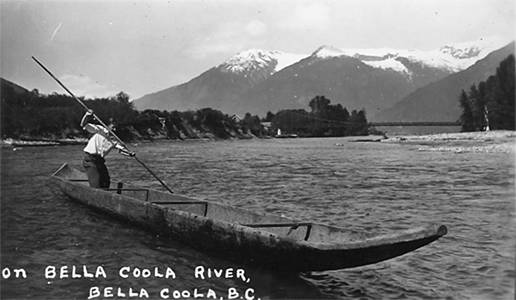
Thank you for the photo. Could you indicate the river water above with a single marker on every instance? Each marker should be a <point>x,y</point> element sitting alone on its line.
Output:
<point>373,187</point>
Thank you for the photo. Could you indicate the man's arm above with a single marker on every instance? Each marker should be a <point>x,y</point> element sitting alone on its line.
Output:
<point>103,131</point>
<point>87,116</point>
<point>123,150</point>
<point>91,128</point>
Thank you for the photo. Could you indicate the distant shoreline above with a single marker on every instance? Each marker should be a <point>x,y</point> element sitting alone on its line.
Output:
<point>455,136</point>
<point>35,142</point>
<point>42,142</point>
<point>478,141</point>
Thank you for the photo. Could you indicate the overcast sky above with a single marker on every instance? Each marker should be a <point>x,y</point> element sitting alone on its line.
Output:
<point>99,48</point>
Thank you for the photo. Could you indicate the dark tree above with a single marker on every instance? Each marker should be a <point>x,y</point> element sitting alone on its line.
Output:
<point>490,104</point>
<point>324,119</point>
<point>358,123</point>
<point>252,124</point>
<point>319,104</point>
<point>467,115</point>
<point>506,92</point>
<point>268,117</point>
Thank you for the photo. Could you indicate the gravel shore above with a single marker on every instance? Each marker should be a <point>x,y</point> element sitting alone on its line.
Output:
<point>483,141</point>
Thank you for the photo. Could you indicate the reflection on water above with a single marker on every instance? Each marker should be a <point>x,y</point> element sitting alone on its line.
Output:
<point>371,187</point>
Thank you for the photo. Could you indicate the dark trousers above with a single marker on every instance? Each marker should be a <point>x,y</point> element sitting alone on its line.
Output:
<point>96,170</point>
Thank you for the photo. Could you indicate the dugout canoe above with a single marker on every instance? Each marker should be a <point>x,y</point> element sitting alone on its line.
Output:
<point>268,240</point>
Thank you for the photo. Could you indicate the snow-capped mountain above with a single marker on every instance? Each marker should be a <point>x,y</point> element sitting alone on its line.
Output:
<point>258,81</point>
<point>438,101</point>
<point>453,57</point>
<point>327,51</point>
<point>221,87</point>
<point>257,59</point>
<point>342,79</point>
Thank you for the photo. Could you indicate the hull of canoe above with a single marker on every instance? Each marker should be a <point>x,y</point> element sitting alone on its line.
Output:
<point>208,228</point>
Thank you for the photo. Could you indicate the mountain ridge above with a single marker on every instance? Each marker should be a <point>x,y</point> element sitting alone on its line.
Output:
<point>438,101</point>
<point>11,88</point>
<point>244,82</point>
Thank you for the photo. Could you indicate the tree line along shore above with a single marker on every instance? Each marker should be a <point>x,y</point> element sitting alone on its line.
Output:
<point>490,104</point>
<point>55,118</point>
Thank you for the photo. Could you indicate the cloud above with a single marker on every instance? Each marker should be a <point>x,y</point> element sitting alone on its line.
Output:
<point>256,28</point>
<point>82,85</point>
<point>308,16</point>
<point>228,38</point>
<point>204,50</point>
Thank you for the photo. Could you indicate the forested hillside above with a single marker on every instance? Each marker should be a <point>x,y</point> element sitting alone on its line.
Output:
<point>490,104</point>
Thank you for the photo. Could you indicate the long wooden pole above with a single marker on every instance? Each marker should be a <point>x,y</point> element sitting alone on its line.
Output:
<point>101,122</point>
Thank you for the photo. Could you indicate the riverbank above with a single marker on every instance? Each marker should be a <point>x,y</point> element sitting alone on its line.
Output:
<point>35,142</point>
<point>483,141</point>
<point>38,142</point>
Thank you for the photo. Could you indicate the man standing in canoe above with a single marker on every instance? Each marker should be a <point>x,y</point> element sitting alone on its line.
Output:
<point>99,145</point>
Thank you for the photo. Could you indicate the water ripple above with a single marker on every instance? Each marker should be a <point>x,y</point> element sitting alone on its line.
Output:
<point>365,187</point>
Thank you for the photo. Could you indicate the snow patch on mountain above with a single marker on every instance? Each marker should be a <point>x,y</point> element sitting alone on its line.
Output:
<point>454,57</point>
<point>286,59</point>
<point>256,59</point>
<point>376,58</point>
<point>389,63</point>
<point>247,61</point>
